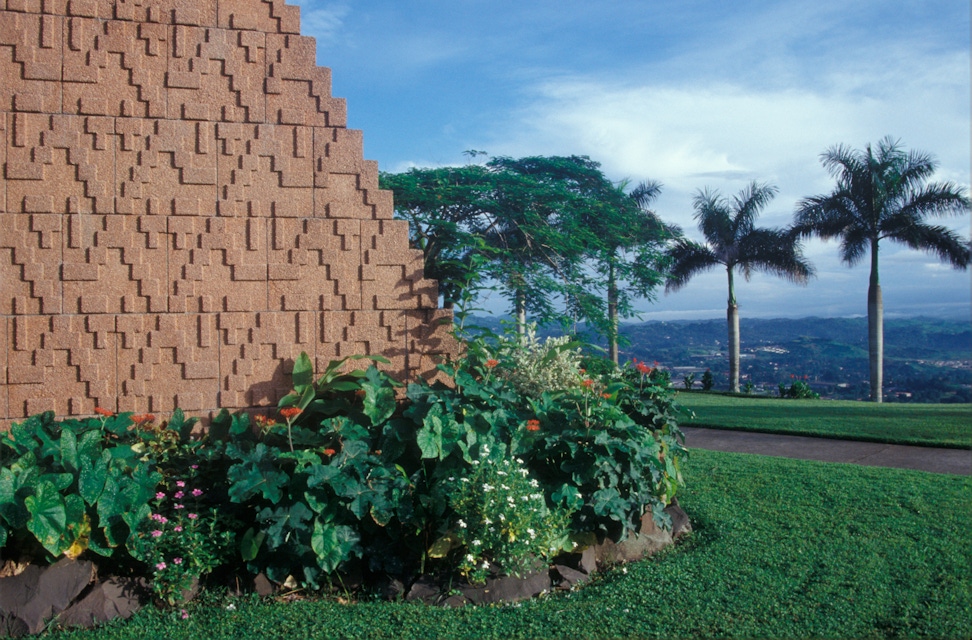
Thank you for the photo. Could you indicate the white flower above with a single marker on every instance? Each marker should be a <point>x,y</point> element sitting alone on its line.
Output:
<point>231,607</point>
<point>520,460</point>
<point>470,558</point>
<point>502,518</point>
<point>533,534</point>
<point>534,484</point>
<point>487,521</point>
<point>476,543</point>
<point>501,473</point>
<point>488,487</point>
<point>485,564</point>
<point>462,525</point>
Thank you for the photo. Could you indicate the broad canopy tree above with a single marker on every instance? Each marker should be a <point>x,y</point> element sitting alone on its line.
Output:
<point>548,229</point>
<point>732,240</point>
<point>883,194</point>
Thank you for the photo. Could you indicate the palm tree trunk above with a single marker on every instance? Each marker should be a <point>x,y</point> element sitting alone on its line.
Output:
<point>732,315</point>
<point>875,328</point>
<point>612,304</point>
<point>732,318</point>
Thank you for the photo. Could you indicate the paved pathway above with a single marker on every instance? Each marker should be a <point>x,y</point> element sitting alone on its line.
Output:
<point>935,459</point>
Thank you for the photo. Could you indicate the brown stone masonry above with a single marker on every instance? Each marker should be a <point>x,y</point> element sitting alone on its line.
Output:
<point>183,211</point>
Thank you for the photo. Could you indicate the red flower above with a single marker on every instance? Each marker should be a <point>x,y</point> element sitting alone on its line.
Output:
<point>104,412</point>
<point>291,412</point>
<point>533,425</point>
<point>587,384</point>
<point>606,395</point>
<point>643,368</point>
<point>142,418</point>
<point>491,363</point>
<point>329,452</point>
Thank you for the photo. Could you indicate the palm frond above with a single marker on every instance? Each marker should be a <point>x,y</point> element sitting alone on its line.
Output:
<point>687,260</point>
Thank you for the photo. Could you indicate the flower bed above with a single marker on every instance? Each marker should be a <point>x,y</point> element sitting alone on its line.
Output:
<point>473,477</point>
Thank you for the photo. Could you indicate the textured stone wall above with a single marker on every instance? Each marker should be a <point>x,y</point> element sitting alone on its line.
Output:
<point>183,211</point>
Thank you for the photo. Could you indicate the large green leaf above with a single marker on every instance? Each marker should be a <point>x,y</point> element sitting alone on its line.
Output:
<point>92,477</point>
<point>332,544</point>
<point>256,473</point>
<point>69,451</point>
<point>250,544</point>
<point>48,517</point>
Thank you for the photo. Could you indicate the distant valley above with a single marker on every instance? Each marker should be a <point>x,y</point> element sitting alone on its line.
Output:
<point>925,359</point>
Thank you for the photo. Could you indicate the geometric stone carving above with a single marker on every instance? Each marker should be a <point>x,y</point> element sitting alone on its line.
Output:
<point>183,211</point>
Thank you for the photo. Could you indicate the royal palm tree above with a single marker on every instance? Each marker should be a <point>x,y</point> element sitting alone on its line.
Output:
<point>733,240</point>
<point>883,193</point>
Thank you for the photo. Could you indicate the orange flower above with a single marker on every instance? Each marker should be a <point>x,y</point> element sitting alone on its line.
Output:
<point>291,412</point>
<point>587,384</point>
<point>491,363</point>
<point>264,421</point>
<point>142,418</point>
<point>104,412</point>
<point>329,452</point>
<point>533,425</point>
<point>606,395</point>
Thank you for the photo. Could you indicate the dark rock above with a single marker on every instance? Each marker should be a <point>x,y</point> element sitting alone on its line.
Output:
<point>584,560</point>
<point>508,588</point>
<point>649,539</point>
<point>565,577</point>
<point>113,598</point>
<point>263,586</point>
<point>391,588</point>
<point>680,519</point>
<point>425,589</point>
<point>37,594</point>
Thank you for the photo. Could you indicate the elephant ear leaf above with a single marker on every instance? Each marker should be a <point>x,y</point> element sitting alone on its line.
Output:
<point>48,517</point>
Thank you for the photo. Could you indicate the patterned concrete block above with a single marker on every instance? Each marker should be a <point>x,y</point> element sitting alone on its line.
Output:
<point>114,68</point>
<point>60,363</point>
<point>30,61</point>
<point>30,264</point>
<point>60,163</point>
<point>167,361</point>
<point>183,212</point>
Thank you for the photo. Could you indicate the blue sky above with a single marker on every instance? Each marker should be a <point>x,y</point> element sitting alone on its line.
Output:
<point>692,94</point>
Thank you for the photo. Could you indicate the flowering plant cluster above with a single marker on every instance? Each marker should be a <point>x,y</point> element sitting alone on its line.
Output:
<point>179,541</point>
<point>492,467</point>
<point>502,518</point>
<point>532,367</point>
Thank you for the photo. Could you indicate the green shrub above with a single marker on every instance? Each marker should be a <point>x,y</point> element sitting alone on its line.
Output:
<point>798,390</point>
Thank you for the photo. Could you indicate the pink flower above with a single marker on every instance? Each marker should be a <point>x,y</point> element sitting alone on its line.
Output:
<point>194,466</point>
<point>184,615</point>
<point>156,533</point>
<point>178,494</point>
<point>176,560</point>
<point>160,496</point>
<point>197,492</point>
<point>193,516</point>
<point>178,528</point>
<point>160,566</point>
<point>180,483</point>
<point>178,506</point>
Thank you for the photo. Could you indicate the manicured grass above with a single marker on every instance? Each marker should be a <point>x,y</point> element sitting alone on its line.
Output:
<point>781,549</point>
<point>938,425</point>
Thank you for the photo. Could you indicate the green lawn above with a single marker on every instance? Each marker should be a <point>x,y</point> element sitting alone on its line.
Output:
<point>941,425</point>
<point>782,549</point>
